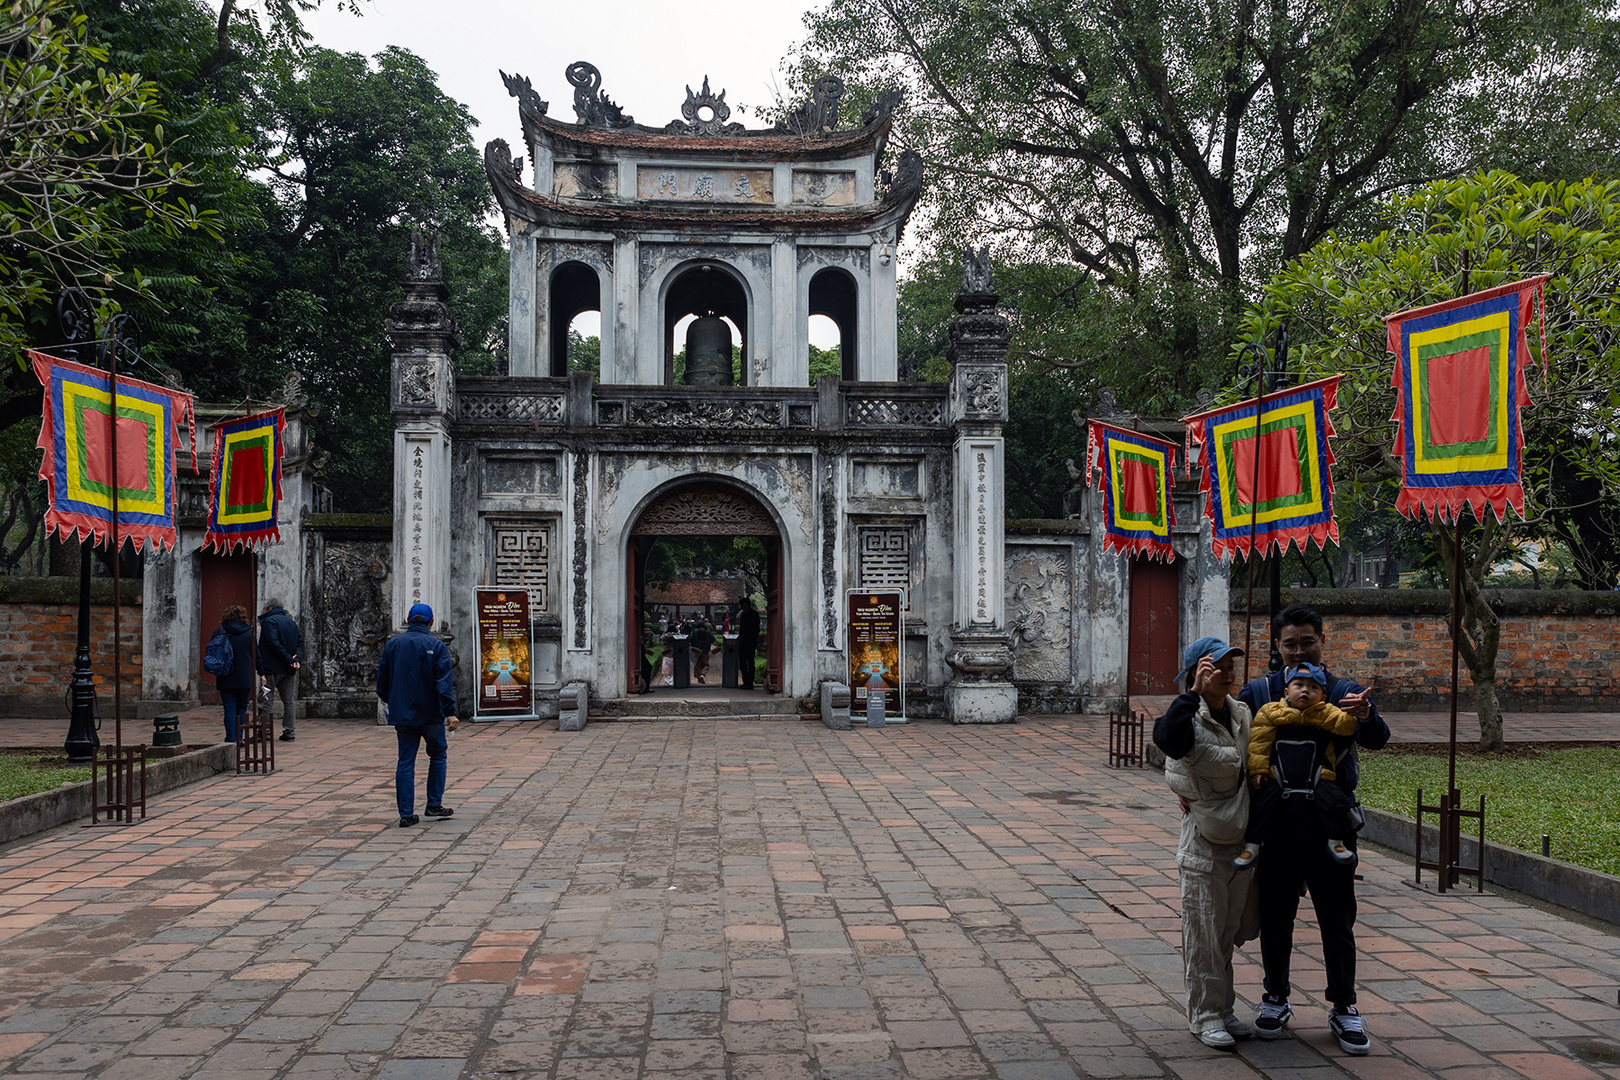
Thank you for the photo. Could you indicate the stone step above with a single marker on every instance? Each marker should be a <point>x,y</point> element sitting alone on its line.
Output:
<point>651,707</point>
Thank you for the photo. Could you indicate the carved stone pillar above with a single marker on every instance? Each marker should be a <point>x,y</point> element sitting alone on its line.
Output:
<point>981,689</point>
<point>423,334</point>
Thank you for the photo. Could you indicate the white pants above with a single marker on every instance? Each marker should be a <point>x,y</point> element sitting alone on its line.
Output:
<point>1219,911</point>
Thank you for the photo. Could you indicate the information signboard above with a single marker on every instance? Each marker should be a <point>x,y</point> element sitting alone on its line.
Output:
<point>876,655</point>
<point>504,687</point>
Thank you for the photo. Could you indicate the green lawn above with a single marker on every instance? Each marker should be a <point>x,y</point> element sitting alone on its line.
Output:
<point>21,774</point>
<point>1570,795</point>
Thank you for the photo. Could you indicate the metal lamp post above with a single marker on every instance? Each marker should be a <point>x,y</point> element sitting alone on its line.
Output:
<point>1259,377</point>
<point>75,317</point>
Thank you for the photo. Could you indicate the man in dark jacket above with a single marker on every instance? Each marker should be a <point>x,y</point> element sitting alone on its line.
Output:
<point>1300,857</point>
<point>413,680</point>
<point>747,642</point>
<point>280,644</point>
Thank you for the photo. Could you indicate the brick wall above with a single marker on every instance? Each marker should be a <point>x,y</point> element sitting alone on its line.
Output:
<point>37,641</point>
<point>1560,652</point>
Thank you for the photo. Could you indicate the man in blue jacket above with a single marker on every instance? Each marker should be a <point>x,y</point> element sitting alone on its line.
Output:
<point>413,680</point>
<point>1293,861</point>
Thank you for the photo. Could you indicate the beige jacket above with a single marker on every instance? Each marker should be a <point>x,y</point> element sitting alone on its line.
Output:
<point>1211,775</point>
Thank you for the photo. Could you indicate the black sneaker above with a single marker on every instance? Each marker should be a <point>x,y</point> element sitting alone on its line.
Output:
<point>408,820</point>
<point>287,736</point>
<point>1349,1029</point>
<point>1272,1016</point>
<point>438,811</point>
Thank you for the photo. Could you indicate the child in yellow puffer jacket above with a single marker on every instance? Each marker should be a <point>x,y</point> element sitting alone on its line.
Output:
<point>1304,705</point>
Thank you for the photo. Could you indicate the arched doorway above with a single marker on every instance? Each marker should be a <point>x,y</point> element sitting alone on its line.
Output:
<point>704,508</point>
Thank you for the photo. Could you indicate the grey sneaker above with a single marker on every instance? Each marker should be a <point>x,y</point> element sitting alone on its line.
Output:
<point>1217,1039</point>
<point>1235,1027</point>
<point>1349,1029</point>
<point>1272,1016</point>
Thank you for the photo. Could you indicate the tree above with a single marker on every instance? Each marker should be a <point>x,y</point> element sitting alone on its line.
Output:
<point>1335,299</point>
<point>1162,147</point>
<point>84,170</point>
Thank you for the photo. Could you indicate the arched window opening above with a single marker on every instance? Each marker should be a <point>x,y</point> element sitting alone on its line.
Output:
<point>833,294</point>
<point>710,310</point>
<point>575,288</point>
<point>585,343</point>
<point>826,349</point>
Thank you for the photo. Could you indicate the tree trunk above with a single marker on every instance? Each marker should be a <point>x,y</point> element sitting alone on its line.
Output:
<point>1490,714</point>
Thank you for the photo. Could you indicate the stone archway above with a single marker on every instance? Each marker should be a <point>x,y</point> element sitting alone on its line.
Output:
<point>707,507</point>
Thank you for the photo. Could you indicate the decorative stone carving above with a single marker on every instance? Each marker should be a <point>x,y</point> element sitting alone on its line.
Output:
<point>705,510</point>
<point>351,613</point>
<point>829,555</point>
<point>529,101</point>
<point>979,657</point>
<point>501,166</point>
<point>596,255</point>
<point>894,412</point>
<point>982,391</point>
<point>1106,404</point>
<point>822,187</point>
<point>882,107</point>
<point>859,258</point>
<point>1038,606</point>
<point>708,414</point>
<point>695,124</point>
<point>978,273</point>
<point>506,407</point>
<point>421,321</point>
<point>418,384</point>
<point>654,255</point>
<point>584,180</point>
<point>522,560</point>
<point>904,188</point>
<point>594,108</point>
<point>706,184</point>
<point>819,115</point>
<point>291,395</point>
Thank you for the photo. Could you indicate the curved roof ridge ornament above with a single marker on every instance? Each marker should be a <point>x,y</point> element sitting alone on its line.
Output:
<point>695,124</point>
<point>819,115</point>
<point>594,108</point>
<point>530,103</point>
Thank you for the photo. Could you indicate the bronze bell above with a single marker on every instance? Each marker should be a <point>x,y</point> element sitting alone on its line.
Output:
<point>708,352</point>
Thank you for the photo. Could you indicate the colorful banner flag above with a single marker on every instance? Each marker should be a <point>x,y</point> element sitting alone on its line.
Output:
<point>244,486</point>
<point>1459,385</point>
<point>1137,513</point>
<point>76,434</point>
<point>1294,500</point>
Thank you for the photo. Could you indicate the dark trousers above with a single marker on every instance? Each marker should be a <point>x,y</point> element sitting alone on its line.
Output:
<point>746,647</point>
<point>405,773</point>
<point>1286,864</point>
<point>236,710</point>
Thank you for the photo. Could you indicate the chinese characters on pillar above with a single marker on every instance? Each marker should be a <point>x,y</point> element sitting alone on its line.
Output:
<point>981,536</point>
<point>418,512</point>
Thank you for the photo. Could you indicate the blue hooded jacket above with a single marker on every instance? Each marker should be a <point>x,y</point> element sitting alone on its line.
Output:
<point>413,678</point>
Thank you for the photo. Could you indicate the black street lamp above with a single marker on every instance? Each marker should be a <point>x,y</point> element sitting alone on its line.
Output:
<point>75,317</point>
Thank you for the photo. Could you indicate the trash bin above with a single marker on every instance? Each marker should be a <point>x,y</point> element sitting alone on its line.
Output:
<point>728,661</point>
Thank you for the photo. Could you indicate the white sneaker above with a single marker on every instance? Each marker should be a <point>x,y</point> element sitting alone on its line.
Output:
<point>1217,1039</point>
<point>1235,1027</point>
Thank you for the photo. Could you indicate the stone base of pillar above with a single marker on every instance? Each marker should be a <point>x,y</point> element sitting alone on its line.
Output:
<point>980,692</point>
<point>981,703</point>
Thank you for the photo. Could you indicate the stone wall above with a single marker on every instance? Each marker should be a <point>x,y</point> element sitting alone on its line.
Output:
<point>1560,651</point>
<point>39,631</point>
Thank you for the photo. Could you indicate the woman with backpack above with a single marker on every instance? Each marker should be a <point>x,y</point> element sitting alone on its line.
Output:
<point>233,677</point>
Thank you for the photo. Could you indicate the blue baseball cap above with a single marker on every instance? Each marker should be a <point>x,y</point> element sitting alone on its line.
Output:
<point>421,613</point>
<point>1212,647</point>
<point>1313,672</point>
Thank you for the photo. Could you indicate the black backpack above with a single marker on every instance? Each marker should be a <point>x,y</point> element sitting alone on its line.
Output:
<point>219,656</point>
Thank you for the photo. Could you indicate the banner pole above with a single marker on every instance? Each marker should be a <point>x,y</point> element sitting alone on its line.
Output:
<point>117,644</point>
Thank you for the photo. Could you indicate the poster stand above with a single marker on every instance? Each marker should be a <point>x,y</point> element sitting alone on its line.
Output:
<point>503,686</point>
<point>876,641</point>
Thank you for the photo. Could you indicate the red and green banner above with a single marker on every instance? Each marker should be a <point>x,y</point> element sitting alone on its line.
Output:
<point>1268,484</point>
<point>1459,385</point>
<point>1135,486</point>
<point>76,433</point>
<point>244,486</point>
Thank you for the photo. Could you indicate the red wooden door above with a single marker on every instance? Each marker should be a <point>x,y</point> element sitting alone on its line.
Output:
<point>773,615</point>
<point>1155,645</point>
<point>226,580</point>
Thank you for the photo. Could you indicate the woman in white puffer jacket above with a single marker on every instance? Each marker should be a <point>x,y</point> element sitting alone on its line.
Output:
<point>1205,738</point>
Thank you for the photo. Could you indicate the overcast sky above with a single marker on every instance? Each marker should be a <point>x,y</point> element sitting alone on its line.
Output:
<point>648,51</point>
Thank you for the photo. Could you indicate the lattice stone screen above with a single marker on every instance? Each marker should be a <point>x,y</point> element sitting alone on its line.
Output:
<point>522,560</point>
<point>885,554</point>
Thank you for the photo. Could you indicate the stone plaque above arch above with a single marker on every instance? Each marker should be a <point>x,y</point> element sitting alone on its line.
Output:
<point>705,510</point>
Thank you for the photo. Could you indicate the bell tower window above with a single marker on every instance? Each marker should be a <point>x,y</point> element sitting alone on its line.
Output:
<point>833,296</point>
<point>714,308</point>
<point>575,289</point>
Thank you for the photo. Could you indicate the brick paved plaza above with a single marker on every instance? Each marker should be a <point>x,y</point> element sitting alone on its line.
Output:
<point>721,898</point>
